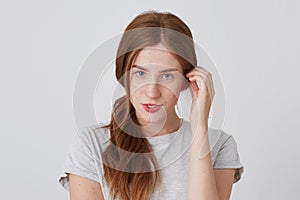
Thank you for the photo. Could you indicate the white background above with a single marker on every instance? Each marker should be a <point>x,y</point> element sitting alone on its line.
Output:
<point>254,44</point>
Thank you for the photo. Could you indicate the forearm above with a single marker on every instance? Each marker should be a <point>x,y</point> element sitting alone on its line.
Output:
<point>201,182</point>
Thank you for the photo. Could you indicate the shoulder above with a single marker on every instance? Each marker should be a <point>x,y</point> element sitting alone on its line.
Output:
<point>93,136</point>
<point>220,137</point>
<point>92,132</point>
<point>226,153</point>
<point>228,141</point>
<point>223,145</point>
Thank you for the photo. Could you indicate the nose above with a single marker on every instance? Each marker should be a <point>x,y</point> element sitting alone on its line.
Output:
<point>153,90</point>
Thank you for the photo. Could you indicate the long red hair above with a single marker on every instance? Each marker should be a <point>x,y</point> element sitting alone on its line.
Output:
<point>129,173</point>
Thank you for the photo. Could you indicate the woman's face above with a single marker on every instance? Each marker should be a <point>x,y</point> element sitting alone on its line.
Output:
<point>156,77</point>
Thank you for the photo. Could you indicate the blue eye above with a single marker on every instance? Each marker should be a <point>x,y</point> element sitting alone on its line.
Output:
<point>139,73</point>
<point>169,76</point>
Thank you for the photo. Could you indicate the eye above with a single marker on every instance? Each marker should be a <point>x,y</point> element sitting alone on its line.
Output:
<point>167,76</point>
<point>139,73</point>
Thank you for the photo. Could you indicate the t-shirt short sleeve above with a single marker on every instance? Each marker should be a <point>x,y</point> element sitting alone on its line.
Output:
<point>228,156</point>
<point>80,160</point>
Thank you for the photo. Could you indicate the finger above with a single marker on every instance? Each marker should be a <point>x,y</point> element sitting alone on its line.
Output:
<point>206,76</point>
<point>201,75</point>
<point>199,70</point>
<point>205,85</point>
<point>201,81</point>
<point>210,86</point>
<point>202,69</point>
<point>194,89</point>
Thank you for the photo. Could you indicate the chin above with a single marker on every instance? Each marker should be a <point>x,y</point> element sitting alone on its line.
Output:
<point>151,118</point>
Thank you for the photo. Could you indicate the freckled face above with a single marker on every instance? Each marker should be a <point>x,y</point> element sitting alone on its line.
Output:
<point>156,77</point>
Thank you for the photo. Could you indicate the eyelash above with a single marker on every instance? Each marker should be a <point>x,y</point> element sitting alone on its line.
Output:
<point>143,72</point>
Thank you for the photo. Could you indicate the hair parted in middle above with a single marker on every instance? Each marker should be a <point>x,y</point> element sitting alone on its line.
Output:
<point>129,163</point>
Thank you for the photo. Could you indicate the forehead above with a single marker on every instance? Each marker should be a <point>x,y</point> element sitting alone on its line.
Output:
<point>156,56</point>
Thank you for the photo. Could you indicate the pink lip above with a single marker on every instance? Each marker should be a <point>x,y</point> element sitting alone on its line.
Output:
<point>152,110</point>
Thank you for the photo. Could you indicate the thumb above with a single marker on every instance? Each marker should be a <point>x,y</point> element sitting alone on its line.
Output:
<point>194,89</point>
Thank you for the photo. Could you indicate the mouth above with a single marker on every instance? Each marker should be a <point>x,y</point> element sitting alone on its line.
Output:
<point>152,107</point>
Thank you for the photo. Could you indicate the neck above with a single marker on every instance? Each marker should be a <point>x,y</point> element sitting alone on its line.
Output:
<point>153,129</point>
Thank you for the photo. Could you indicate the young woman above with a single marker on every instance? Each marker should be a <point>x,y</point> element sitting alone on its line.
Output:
<point>147,151</point>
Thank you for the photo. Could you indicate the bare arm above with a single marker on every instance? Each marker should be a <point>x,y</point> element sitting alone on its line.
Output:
<point>201,181</point>
<point>205,182</point>
<point>224,180</point>
<point>84,189</point>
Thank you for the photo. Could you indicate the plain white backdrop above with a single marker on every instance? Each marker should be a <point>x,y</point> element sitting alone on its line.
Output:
<point>254,44</point>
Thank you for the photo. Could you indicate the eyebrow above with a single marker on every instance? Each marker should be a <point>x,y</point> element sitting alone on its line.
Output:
<point>165,70</point>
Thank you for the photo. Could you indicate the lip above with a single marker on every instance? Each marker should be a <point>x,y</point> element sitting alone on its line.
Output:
<point>152,110</point>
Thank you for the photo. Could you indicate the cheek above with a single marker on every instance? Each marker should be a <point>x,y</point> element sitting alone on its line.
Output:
<point>172,91</point>
<point>170,97</point>
<point>135,87</point>
<point>135,96</point>
<point>174,86</point>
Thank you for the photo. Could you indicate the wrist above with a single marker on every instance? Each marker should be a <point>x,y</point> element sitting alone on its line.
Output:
<point>200,146</point>
<point>200,129</point>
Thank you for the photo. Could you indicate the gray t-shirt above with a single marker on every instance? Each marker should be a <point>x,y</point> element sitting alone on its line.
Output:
<point>172,152</point>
